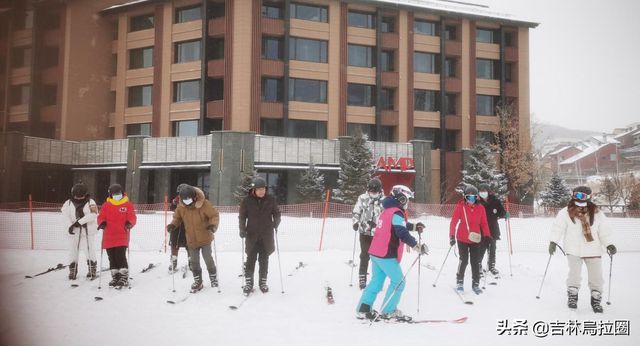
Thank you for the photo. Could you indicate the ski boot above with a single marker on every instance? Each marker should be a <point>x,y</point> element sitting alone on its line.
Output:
<point>476,288</point>
<point>365,312</point>
<point>397,316</point>
<point>264,288</point>
<point>596,298</point>
<point>73,270</point>
<point>494,272</point>
<point>115,276</point>
<point>197,283</point>
<point>572,293</point>
<point>460,286</point>
<point>214,279</point>
<point>248,286</point>
<point>92,275</point>
<point>173,267</point>
<point>363,281</point>
<point>124,278</point>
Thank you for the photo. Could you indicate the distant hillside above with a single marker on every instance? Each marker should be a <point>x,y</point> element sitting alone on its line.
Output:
<point>548,135</point>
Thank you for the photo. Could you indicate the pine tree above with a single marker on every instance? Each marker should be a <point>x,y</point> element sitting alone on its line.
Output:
<point>356,167</point>
<point>311,185</point>
<point>609,192</point>
<point>557,194</point>
<point>481,169</point>
<point>242,190</point>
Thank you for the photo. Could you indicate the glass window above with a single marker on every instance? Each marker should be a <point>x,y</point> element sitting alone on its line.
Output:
<point>365,129</point>
<point>272,10</point>
<point>143,129</point>
<point>451,100</point>
<point>307,50</point>
<point>386,135</point>
<point>143,22</point>
<point>425,62</point>
<point>140,57</point>
<point>361,19</point>
<point>424,27</point>
<point>21,57</point>
<point>212,125</point>
<point>309,12</point>
<point>388,24</point>
<point>185,91</point>
<point>450,33</point>
<point>50,21</point>
<point>215,91</point>
<point>308,90</point>
<point>49,95</point>
<point>187,51</point>
<point>272,89</point>
<point>487,69</point>
<point>486,104</point>
<point>387,99</point>
<point>19,95</point>
<point>428,134</point>
<point>216,10</point>
<point>188,14</point>
<point>508,72</point>
<point>139,96</point>
<point>49,57</point>
<point>185,128</point>
<point>307,129</point>
<point>360,95</point>
<point>387,61</point>
<point>509,39</point>
<point>425,100</point>
<point>216,49</point>
<point>272,48</point>
<point>450,67</point>
<point>271,127</point>
<point>362,56</point>
<point>487,36</point>
<point>486,137</point>
<point>23,20</point>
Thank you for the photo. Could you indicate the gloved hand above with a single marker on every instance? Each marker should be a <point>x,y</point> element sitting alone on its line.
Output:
<point>243,233</point>
<point>507,216</point>
<point>128,225</point>
<point>103,225</point>
<point>552,248</point>
<point>423,249</point>
<point>611,250</point>
<point>71,229</point>
<point>410,226</point>
<point>372,225</point>
<point>212,228</point>
<point>486,241</point>
<point>171,227</point>
<point>419,227</point>
<point>452,241</point>
<point>355,227</point>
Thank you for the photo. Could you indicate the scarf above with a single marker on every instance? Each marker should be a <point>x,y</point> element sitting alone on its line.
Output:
<point>585,216</point>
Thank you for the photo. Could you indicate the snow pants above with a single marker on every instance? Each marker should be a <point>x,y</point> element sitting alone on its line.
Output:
<point>259,253</point>
<point>381,268</point>
<point>469,250</point>
<point>83,241</point>
<point>594,272</point>
<point>194,260</point>
<point>118,257</point>
<point>365,243</point>
<point>491,253</point>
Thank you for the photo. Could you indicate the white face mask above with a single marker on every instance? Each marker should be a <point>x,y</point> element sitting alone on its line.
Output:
<point>581,204</point>
<point>484,194</point>
<point>374,194</point>
<point>117,197</point>
<point>187,201</point>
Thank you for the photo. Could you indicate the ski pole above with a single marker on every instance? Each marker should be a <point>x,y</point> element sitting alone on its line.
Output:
<point>243,263</point>
<point>101,255</point>
<point>442,266</point>
<point>279,264</point>
<point>609,290</point>
<point>543,277</point>
<point>353,257</point>
<point>75,270</point>
<point>215,255</point>
<point>404,278</point>
<point>509,251</point>
<point>419,268</point>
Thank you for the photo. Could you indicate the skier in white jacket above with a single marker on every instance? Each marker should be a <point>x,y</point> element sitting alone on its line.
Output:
<point>81,213</point>
<point>585,232</point>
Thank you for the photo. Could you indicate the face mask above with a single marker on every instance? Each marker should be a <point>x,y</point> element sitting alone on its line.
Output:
<point>470,198</point>
<point>581,204</point>
<point>117,197</point>
<point>484,194</point>
<point>187,201</point>
<point>374,194</point>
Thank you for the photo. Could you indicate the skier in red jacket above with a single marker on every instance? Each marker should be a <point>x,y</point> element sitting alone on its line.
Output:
<point>117,217</point>
<point>469,219</point>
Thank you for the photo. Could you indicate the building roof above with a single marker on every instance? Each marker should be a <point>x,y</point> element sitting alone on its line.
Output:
<point>125,5</point>
<point>588,151</point>
<point>558,151</point>
<point>605,139</point>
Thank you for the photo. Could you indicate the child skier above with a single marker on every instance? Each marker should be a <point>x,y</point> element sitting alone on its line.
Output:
<point>117,217</point>
<point>365,218</point>
<point>177,237</point>
<point>494,209</point>
<point>584,230</point>
<point>81,212</point>
<point>386,253</point>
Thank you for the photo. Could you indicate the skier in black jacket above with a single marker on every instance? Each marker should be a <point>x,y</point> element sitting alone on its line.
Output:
<point>494,210</point>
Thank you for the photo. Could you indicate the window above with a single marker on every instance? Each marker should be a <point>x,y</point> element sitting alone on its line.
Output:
<point>361,19</point>
<point>272,48</point>
<point>139,96</point>
<point>509,39</point>
<point>185,128</point>
<point>424,27</point>
<point>185,91</point>
<point>49,95</point>
<point>428,134</point>
<point>387,99</point>
<point>19,95</point>
<point>49,57</point>
<point>360,95</point>
<point>487,36</point>
<point>365,129</point>
<point>451,100</point>
<point>361,56</point>
<point>140,57</point>
<point>212,125</point>
<point>387,61</point>
<point>271,127</point>
<point>486,105</point>
<point>425,62</point>
<point>215,49</point>
<point>508,72</point>
<point>215,91</point>
<point>272,89</point>
<point>21,57</point>
<point>216,10</point>
<point>187,51</point>
<point>141,22</point>
<point>450,67</point>
<point>450,33</point>
<point>307,50</point>
<point>23,20</point>
<point>51,21</point>
<point>309,12</point>
<point>308,90</point>
<point>143,129</point>
<point>307,129</point>
<point>388,24</point>
<point>486,137</point>
<point>386,135</point>
<point>487,69</point>
<point>188,14</point>
<point>272,10</point>
<point>425,100</point>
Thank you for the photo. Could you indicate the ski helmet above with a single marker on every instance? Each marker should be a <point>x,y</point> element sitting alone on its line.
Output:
<point>79,190</point>
<point>374,185</point>
<point>258,182</point>
<point>402,194</point>
<point>115,189</point>
<point>581,195</point>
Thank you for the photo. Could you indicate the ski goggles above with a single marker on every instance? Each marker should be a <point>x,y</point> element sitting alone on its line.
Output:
<point>581,196</point>
<point>471,198</point>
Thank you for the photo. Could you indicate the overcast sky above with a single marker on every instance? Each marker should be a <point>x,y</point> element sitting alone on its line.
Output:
<point>585,60</point>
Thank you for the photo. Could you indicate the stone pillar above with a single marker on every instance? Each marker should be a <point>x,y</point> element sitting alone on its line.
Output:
<point>232,155</point>
<point>137,179</point>
<point>422,162</point>
<point>162,184</point>
<point>11,166</point>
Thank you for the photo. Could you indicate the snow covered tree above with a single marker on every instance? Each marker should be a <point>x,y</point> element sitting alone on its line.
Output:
<point>311,185</point>
<point>634,200</point>
<point>609,192</point>
<point>242,190</point>
<point>557,194</point>
<point>356,167</point>
<point>481,169</point>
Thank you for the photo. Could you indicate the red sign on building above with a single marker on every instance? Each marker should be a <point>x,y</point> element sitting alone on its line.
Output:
<point>402,163</point>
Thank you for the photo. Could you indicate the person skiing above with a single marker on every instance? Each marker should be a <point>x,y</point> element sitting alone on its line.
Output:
<point>470,221</point>
<point>258,218</point>
<point>584,231</point>
<point>386,253</point>
<point>177,237</point>
<point>200,220</point>
<point>81,212</point>
<point>494,209</point>
<point>365,218</point>
<point>116,218</point>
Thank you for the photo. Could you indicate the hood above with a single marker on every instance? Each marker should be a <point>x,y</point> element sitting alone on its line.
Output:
<point>199,201</point>
<point>390,202</point>
<point>124,200</point>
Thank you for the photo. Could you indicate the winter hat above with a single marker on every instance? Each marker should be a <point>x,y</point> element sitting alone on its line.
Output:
<point>484,187</point>
<point>115,189</point>
<point>258,182</point>
<point>180,187</point>
<point>470,190</point>
<point>187,192</point>
<point>374,185</point>
<point>581,195</point>
<point>79,190</point>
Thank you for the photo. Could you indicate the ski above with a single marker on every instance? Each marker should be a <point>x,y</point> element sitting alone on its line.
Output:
<point>298,267</point>
<point>330,299</point>
<point>149,267</point>
<point>462,297</point>
<point>351,263</point>
<point>244,299</point>
<point>392,321</point>
<point>176,301</point>
<point>58,267</point>
<point>184,271</point>
<point>429,266</point>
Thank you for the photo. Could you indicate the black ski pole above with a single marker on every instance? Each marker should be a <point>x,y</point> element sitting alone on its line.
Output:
<point>75,270</point>
<point>215,255</point>
<point>419,268</point>
<point>543,277</point>
<point>279,265</point>
<point>101,255</point>
<point>442,266</point>
<point>353,257</point>
<point>609,290</point>
<point>404,278</point>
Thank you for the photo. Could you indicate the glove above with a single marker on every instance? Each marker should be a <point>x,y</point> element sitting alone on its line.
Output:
<point>423,249</point>
<point>552,248</point>
<point>103,225</point>
<point>410,226</point>
<point>71,229</point>
<point>507,216</point>
<point>419,227</point>
<point>611,250</point>
<point>452,241</point>
<point>486,241</point>
<point>243,233</point>
<point>171,227</point>
<point>372,225</point>
<point>128,225</point>
<point>355,227</point>
<point>212,228</point>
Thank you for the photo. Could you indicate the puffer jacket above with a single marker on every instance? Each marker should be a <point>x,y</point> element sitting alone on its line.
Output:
<point>195,218</point>
<point>90,211</point>
<point>573,240</point>
<point>366,213</point>
<point>476,218</point>
<point>116,214</point>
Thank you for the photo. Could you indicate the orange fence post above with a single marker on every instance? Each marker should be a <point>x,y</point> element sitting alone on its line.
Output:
<point>324,218</point>
<point>166,215</point>
<point>31,220</point>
